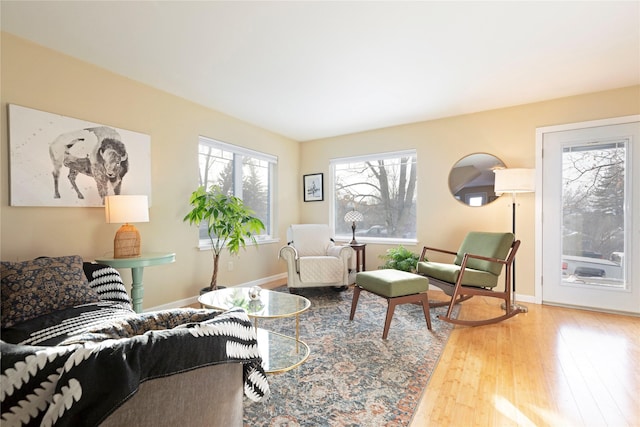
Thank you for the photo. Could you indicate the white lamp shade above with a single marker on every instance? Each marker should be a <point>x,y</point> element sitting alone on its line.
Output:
<point>515,181</point>
<point>126,209</point>
<point>353,216</point>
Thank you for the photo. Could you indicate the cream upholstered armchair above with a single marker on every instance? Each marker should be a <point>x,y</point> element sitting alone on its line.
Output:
<point>313,259</point>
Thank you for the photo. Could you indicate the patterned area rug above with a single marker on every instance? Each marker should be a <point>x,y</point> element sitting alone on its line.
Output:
<point>352,377</point>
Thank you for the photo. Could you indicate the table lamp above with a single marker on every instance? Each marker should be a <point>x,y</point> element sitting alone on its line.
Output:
<point>353,217</point>
<point>126,209</point>
<point>514,181</point>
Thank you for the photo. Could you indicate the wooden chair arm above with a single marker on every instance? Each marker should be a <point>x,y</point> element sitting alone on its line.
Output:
<point>427,248</point>
<point>484,258</point>
<point>512,254</point>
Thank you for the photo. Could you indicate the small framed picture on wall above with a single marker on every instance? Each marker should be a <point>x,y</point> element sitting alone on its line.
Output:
<point>313,187</point>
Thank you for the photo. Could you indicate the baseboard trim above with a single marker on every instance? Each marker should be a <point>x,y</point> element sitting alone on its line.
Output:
<point>272,282</point>
<point>266,282</point>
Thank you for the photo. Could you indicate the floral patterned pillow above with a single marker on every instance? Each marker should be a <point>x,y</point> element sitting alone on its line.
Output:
<point>34,288</point>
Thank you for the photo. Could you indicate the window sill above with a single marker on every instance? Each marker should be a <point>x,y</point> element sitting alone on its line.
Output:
<point>205,245</point>
<point>378,240</point>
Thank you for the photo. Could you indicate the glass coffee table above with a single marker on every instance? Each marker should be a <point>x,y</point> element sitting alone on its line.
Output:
<point>279,352</point>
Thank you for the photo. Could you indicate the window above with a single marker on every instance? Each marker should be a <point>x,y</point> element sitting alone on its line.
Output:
<point>476,199</point>
<point>380,186</point>
<point>594,223</point>
<point>245,173</point>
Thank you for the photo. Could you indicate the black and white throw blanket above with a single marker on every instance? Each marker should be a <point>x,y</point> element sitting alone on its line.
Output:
<point>54,328</point>
<point>87,376</point>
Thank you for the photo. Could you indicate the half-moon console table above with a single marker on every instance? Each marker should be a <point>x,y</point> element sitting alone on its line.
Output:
<point>137,265</point>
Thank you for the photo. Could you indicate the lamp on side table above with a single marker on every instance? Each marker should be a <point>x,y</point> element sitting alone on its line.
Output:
<point>124,210</point>
<point>353,217</point>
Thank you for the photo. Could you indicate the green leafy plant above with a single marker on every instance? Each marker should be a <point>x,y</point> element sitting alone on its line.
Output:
<point>400,258</point>
<point>229,222</point>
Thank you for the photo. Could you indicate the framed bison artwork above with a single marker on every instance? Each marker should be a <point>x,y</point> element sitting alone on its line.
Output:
<point>62,161</point>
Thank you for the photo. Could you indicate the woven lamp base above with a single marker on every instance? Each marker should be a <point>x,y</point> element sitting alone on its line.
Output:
<point>126,244</point>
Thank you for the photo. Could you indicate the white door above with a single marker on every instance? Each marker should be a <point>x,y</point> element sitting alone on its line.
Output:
<point>590,214</point>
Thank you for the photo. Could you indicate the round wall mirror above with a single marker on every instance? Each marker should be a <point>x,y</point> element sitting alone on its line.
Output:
<point>471,179</point>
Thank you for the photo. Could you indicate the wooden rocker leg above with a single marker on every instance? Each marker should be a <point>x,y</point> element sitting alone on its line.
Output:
<point>460,299</point>
<point>506,316</point>
<point>452,303</point>
<point>506,296</point>
<point>454,296</point>
<point>447,289</point>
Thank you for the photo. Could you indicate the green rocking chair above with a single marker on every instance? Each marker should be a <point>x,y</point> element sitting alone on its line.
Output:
<point>475,271</point>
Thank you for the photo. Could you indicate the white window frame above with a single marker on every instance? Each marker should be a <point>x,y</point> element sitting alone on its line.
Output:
<point>332,197</point>
<point>239,153</point>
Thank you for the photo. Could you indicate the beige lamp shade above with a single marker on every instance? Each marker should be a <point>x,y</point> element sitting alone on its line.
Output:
<point>126,209</point>
<point>514,181</point>
<point>123,209</point>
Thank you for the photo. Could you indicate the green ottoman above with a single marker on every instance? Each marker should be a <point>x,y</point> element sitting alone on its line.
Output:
<point>398,287</point>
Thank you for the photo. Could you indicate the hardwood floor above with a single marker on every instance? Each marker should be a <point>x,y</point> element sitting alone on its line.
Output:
<point>549,367</point>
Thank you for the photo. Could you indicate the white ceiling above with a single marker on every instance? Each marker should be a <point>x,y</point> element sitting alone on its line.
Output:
<point>310,70</point>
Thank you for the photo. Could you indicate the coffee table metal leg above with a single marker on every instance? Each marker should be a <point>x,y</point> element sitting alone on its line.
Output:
<point>297,333</point>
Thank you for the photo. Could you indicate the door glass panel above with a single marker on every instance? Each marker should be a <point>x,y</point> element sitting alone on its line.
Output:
<point>594,219</point>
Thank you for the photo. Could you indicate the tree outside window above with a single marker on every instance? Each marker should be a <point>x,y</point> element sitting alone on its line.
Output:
<point>594,199</point>
<point>383,188</point>
<point>240,172</point>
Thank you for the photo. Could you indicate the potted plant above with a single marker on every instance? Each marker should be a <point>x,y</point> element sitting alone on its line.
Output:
<point>229,223</point>
<point>400,258</point>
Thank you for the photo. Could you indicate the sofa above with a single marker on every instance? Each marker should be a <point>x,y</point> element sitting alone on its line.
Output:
<point>74,353</point>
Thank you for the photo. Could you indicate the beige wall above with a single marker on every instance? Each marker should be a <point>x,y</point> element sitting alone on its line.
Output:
<point>42,79</point>
<point>507,133</point>
<point>45,80</point>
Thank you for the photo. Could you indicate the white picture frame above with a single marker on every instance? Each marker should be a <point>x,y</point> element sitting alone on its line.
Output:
<point>99,159</point>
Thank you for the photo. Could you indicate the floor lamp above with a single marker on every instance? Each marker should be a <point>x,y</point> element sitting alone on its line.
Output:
<point>514,181</point>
